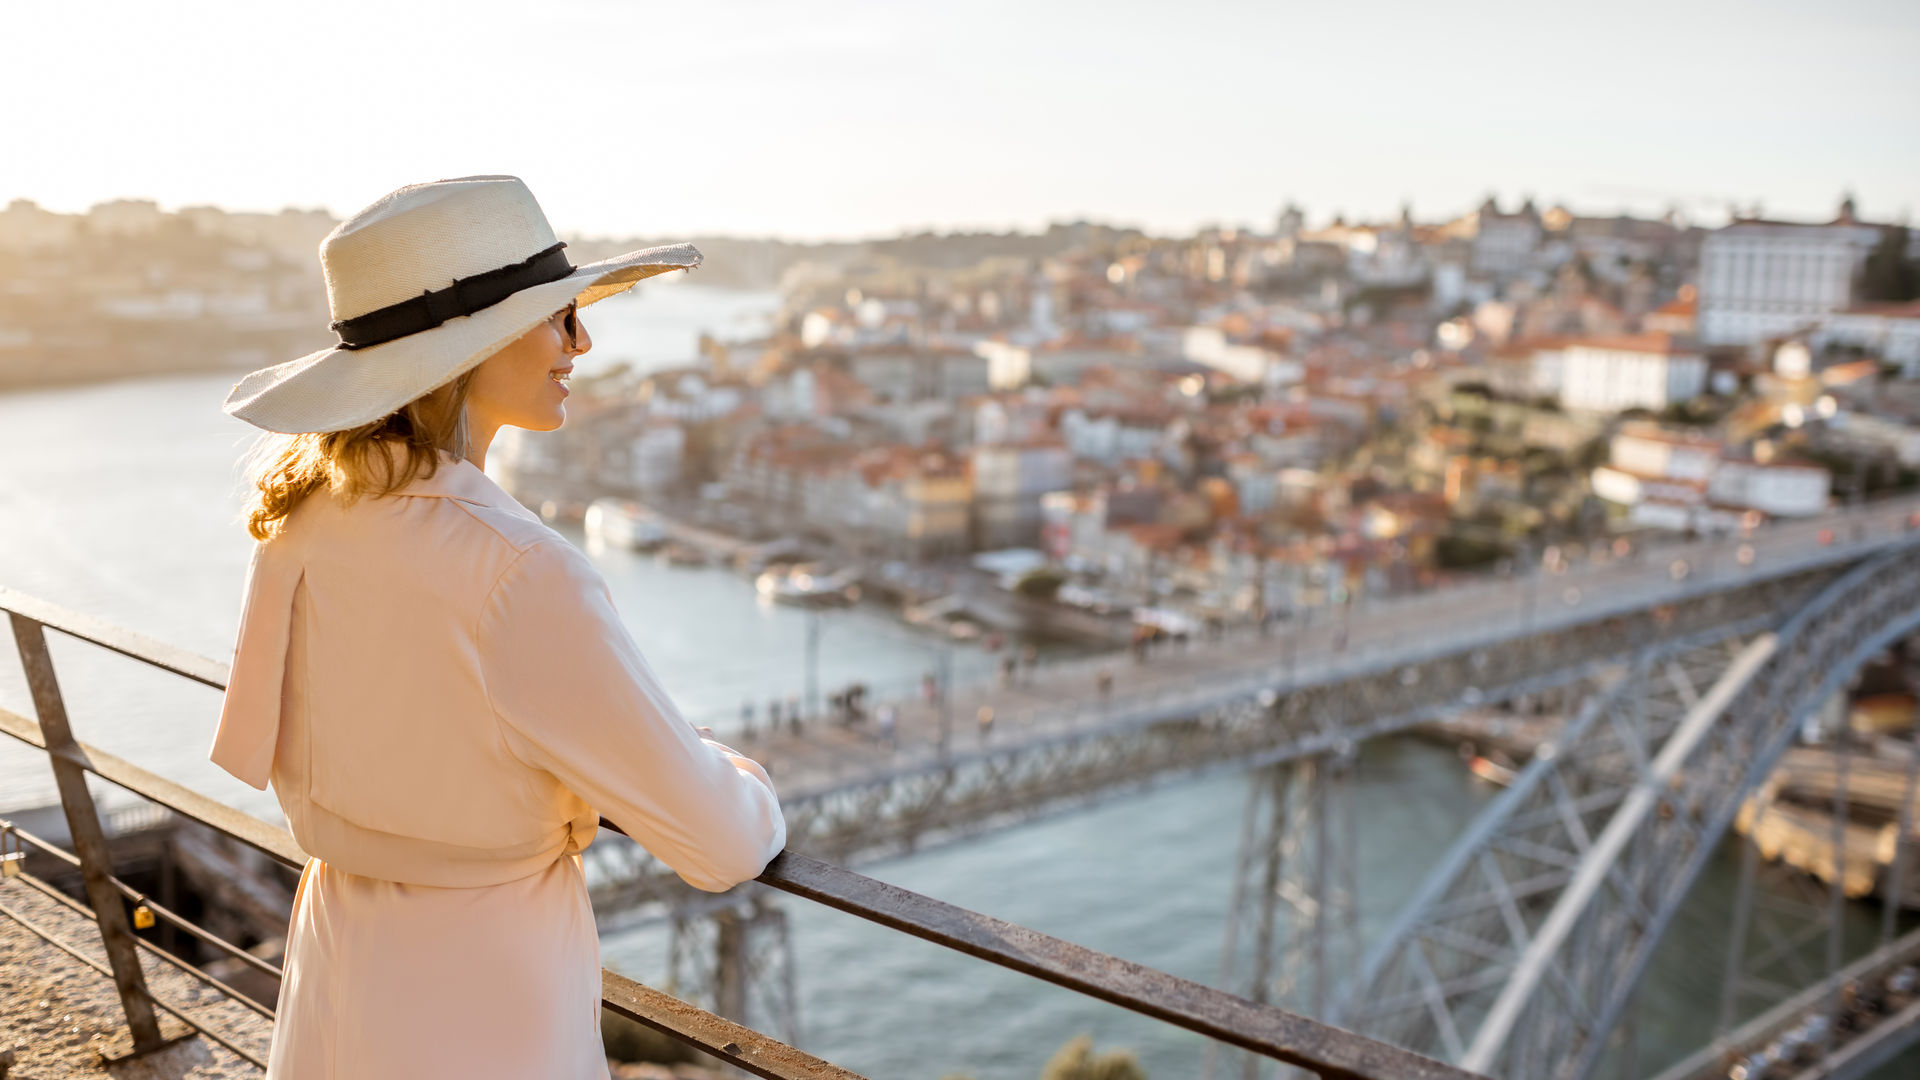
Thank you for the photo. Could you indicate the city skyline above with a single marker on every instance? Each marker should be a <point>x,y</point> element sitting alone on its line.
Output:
<point>874,120</point>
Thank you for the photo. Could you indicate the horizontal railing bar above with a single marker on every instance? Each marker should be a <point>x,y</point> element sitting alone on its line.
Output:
<point>731,1042</point>
<point>127,643</point>
<point>1334,1053</point>
<point>153,905</point>
<point>274,842</point>
<point>199,973</point>
<point>47,937</point>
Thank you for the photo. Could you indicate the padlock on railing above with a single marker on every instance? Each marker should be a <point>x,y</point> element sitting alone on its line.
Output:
<point>142,917</point>
<point>12,857</point>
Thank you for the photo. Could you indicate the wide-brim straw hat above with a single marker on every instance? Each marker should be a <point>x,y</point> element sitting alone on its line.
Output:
<point>424,284</point>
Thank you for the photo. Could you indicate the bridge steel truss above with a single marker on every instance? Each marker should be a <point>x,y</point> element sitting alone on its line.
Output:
<point>1521,951</point>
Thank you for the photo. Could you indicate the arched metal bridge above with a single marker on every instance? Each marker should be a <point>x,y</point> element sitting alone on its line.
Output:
<point>1520,953</point>
<point>1523,948</point>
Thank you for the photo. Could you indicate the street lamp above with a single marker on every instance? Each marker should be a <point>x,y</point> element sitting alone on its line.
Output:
<point>813,662</point>
<point>946,691</point>
<point>1529,574</point>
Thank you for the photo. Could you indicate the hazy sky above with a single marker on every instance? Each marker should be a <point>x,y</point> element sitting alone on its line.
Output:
<point>820,119</point>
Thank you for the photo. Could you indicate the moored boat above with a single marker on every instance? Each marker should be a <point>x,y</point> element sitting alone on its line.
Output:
<point>623,523</point>
<point>806,584</point>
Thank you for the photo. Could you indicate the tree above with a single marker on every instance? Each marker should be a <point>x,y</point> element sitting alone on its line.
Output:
<point>1887,275</point>
<point>1455,552</point>
<point>1040,583</point>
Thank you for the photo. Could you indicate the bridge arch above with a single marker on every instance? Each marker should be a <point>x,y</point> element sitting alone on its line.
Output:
<point>1521,949</point>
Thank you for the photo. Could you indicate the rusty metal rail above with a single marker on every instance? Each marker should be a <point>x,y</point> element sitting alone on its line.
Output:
<point>160,911</point>
<point>1276,1033</point>
<point>1331,1052</point>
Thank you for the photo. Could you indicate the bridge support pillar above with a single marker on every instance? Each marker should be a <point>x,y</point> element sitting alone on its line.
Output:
<point>1292,931</point>
<point>736,960</point>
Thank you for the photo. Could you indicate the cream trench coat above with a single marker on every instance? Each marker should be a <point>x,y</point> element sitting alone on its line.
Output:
<point>444,699</point>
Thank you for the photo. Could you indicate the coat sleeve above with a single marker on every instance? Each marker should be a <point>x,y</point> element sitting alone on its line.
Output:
<point>250,710</point>
<point>575,698</point>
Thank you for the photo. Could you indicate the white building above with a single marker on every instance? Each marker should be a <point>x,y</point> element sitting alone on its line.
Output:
<point>1377,255</point>
<point>1505,244</point>
<point>1649,451</point>
<point>1678,480</point>
<point>1772,488</point>
<point>24,226</point>
<point>1009,481</point>
<point>1762,279</point>
<point>292,234</point>
<point>1009,366</point>
<point>1009,418</point>
<point>1611,246</point>
<point>1878,435</point>
<point>825,326</point>
<point>1547,369</point>
<point>125,217</point>
<point>689,396</point>
<point>1248,363</point>
<point>1649,371</point>
<point>1064,361</point>
<point>907,374</point>
<point>1110,438</point>
<point>656,456</point>
<point>1889,331</point>
<point>1256,485</point>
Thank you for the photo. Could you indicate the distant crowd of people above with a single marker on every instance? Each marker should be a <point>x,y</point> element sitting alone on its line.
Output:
<point>850,707</point>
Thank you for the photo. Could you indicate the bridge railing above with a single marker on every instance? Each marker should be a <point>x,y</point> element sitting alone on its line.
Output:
<point>1274,1033</point>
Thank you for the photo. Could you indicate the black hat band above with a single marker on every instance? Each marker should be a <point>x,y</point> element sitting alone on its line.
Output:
<point>464,297</point>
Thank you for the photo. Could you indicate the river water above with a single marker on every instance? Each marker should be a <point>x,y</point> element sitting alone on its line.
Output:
<point>121,501</point>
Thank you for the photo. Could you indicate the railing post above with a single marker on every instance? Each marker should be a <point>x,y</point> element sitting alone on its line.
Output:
<point>89,842</point>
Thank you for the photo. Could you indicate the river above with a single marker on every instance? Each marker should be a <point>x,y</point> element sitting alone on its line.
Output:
<point>121,501</point>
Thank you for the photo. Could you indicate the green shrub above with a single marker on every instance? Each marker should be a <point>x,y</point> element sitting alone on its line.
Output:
<point>1076,1061</point>
<point>1040,583</point>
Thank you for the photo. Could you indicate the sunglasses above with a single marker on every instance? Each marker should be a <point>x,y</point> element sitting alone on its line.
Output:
<point>570,325</point>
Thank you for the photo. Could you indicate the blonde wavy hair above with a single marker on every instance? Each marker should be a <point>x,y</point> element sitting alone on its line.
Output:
<point>285,469</point>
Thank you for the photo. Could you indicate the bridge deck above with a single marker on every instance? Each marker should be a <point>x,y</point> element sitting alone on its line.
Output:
<point>1065,697</point>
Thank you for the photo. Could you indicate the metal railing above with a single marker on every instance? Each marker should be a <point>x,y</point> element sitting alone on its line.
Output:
<point>1331,1052</point>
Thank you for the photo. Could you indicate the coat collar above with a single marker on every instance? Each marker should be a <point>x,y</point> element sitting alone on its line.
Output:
<point>456,478</point>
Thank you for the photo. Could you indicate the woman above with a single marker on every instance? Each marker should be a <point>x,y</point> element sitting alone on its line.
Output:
<point>435,682</point>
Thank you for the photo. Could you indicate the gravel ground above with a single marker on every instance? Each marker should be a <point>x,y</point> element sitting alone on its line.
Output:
<point>57,1014</point>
